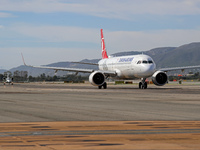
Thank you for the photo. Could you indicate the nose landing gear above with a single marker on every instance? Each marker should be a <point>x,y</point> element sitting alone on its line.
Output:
<point>104,86</point>
<point>143,84</point>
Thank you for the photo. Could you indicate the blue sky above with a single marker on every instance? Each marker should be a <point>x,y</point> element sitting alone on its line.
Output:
<point>48,31</point>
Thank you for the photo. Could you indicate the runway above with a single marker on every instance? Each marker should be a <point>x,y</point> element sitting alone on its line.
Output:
<point>83,102</point>
<point>80,116</point>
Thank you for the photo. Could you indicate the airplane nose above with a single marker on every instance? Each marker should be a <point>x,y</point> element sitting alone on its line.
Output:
<point>148,70</point>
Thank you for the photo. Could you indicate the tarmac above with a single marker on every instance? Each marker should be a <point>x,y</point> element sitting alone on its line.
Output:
<point>59,116</point>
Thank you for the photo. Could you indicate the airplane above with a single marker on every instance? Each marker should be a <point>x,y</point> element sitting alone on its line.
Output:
<point>8,80</point>
<point>123,67</point>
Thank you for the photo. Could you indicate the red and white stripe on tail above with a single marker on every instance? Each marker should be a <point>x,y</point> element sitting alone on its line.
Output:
<point>103,47</point>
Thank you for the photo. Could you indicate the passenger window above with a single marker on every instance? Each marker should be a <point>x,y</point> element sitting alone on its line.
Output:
<point>139,62</point>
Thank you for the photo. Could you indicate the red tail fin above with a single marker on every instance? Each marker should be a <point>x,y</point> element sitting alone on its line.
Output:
<point>103,47</point>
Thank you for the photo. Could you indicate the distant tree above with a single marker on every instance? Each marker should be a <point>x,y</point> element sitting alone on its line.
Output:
<point>55,78</point>
<point>196,74</point>
<point>42,77</point>
<point>31,79</point>
<point>1,77</point>
<point>20,76</point>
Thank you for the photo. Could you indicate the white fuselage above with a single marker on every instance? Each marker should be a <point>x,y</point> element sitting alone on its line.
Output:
<point>128,67</point>
<point>8,80</point>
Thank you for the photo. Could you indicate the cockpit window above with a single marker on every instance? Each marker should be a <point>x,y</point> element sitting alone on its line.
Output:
<point>150,62</point>
<point>144,62</point>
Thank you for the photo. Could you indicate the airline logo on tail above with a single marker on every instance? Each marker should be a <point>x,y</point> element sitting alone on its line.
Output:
<point>104,53</point>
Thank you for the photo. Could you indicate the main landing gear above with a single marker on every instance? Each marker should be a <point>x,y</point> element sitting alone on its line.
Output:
<point>104,86</point>
<point>143,84</point>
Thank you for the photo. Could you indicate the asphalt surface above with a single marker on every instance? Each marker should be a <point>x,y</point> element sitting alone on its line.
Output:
<point>32,102</point>
<point>46,116</point>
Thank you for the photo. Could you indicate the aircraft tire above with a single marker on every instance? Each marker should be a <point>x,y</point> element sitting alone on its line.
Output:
<point>105,85</point>
<point>100,87</point>
<point>140,85</point>
<point>145,85</point>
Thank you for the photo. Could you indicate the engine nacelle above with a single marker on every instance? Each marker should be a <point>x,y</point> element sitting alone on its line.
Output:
<point>97,78</point>
<point>159,78</point>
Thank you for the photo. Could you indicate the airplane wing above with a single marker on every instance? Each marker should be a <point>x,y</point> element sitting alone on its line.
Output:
<point>179,68</point>
<point>64,69</point>
<point>112,73</point>
<point>96,64</point>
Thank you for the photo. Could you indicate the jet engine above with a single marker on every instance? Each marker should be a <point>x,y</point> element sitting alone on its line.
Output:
<point>97,78</point>
<point>159,78</point>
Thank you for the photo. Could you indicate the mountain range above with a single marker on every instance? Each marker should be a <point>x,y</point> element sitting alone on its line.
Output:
<point>185,55</point>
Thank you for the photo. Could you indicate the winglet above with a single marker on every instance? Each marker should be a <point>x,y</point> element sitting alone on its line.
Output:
<point>23,60</point>
<point>103,47</point>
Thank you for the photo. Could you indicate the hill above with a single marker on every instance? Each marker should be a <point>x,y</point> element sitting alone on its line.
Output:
<point>181,56</point>
<point>184,55</point>
<point>2,71</point>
